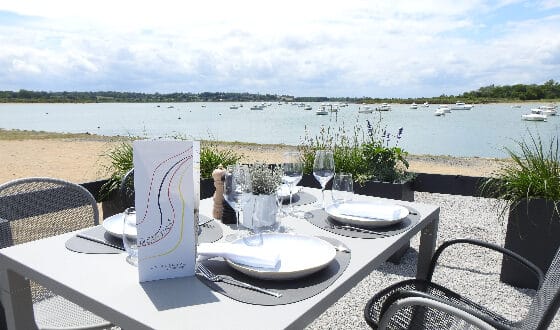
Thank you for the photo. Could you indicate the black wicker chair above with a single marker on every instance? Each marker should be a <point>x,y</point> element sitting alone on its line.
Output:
<point>421,304</point>
<point>35,208</point>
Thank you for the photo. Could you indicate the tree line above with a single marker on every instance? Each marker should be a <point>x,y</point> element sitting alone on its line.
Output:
<point>548,91</point>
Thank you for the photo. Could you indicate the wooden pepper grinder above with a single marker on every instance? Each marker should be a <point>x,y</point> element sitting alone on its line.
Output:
<point>218,175</point>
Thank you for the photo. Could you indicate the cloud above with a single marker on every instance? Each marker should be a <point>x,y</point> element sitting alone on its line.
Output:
<point>350,48</point>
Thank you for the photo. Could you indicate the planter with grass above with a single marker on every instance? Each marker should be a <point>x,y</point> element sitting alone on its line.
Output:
<point>531,186</point>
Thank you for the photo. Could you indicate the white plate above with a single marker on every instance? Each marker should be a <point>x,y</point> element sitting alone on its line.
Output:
<point>114,224</point>
<point>367,214</point>
<point>299,256</point>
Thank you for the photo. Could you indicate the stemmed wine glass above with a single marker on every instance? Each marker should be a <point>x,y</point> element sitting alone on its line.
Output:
<point>323,170</point>
<point>293,172</point>
<point>237,191</point>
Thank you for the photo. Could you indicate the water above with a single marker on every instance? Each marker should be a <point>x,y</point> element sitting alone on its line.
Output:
<point>482,131</point>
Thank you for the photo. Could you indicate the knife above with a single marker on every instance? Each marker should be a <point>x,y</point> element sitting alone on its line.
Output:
<point>100,241</point>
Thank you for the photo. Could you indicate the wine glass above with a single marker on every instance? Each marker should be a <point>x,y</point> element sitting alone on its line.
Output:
<point>236,189</point>
<point>129,236</point>
<point>323,170</point>
<point>293,172</point>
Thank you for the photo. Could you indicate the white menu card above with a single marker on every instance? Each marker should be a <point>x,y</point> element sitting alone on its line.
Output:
<point>167,194</point>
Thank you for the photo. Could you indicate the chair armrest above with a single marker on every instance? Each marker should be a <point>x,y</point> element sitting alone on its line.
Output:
<point>529,265</point>
<point>404,299</point>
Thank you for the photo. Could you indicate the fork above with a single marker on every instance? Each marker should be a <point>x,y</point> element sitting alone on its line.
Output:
<point>361,230</point>
<point>208,274</point>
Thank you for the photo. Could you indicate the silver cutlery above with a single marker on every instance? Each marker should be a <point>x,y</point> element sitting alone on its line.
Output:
<point>208,274</point>
<point>357,229</point>
<point>100,241</point>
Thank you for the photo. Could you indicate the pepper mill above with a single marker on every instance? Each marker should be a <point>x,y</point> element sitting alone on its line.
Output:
<point>218,176</point>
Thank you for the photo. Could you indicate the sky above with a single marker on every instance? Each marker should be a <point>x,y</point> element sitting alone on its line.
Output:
<point>334,48</point>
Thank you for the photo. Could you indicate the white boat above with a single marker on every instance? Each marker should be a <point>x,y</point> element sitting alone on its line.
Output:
<point>321,111</point>
<point>257,107</point>
<point>516,106</point>
<point>426,105</point>
<point>461,106</point>
<point>414,105</point>
<point>365,109</point>
<point>445,108</point>
<point>439,112</point>
<point>234,107</point>
<point>308,107</point>
<point>534,117</point>
<point>549,110</point>
<point>383,107</point>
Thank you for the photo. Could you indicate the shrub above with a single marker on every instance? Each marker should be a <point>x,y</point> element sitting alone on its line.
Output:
<point>366,153</point>
<point>533,174</point>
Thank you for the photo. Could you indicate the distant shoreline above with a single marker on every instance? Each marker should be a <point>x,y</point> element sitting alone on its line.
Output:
<point>79,157</point>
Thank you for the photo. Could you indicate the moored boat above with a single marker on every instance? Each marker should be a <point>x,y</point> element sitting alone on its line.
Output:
<point>461,106</point>
<point>383,107</point>
<point>365,109</point>
<point>414,105</point>
<point>321,111</point>
<point>533,117</point>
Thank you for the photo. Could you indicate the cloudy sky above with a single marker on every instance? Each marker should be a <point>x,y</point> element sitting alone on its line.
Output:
<point>396,48</point>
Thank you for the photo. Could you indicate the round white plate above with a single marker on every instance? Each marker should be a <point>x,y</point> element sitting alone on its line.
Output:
<point>299,255</point>
<point>114,224</point>
<point>367,214</point>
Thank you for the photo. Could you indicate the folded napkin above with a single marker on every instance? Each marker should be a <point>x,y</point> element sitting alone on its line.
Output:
<point>253,256</point>
<point>373,211</point>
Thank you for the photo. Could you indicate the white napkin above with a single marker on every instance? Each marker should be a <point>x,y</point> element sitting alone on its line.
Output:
<point>373,211</point>
<point>253,256</point>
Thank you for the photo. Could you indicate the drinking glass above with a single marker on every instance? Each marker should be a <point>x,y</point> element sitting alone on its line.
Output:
<point>293,172</point>
<point>342,188</point>
<point>237,191</point>
<point>323,170</point>
<point>130,236</point>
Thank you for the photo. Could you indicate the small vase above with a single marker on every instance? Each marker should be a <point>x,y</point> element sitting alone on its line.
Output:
<point>260,213</point>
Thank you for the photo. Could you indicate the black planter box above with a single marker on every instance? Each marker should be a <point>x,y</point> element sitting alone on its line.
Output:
<point>207,188</point>
<point>399,191</point>
<point>533,231</point>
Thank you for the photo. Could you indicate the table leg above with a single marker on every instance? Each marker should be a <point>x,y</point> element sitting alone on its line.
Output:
<point>15,295</point>
<point>427,247</point>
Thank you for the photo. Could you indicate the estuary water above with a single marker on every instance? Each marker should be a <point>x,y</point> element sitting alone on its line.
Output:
<point>483,131</point>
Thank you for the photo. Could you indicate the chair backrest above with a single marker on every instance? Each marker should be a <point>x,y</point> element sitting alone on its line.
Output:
<point>34,208</point>
<point>547,299</point>
<point>127,189</point>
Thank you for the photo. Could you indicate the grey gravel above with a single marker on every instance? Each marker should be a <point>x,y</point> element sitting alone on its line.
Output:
<point>460,217</point>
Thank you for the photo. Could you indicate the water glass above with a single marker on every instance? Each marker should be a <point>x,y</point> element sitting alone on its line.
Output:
<point>342,188</point>
<point>129,236</point>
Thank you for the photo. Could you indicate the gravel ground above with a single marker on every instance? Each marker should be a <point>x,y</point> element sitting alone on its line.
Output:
<point>460,217</point>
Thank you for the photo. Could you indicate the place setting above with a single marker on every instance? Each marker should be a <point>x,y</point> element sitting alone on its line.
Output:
<point>272,268</point>
<point>360,219</point>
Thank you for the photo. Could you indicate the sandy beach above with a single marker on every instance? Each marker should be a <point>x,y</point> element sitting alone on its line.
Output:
<point>81,159</point>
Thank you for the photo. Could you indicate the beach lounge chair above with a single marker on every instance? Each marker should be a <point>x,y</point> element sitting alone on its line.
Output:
<point>422,304</point>
<point>35,208</point>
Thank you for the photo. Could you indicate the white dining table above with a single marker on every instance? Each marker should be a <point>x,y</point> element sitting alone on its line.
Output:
<point>108,286</point>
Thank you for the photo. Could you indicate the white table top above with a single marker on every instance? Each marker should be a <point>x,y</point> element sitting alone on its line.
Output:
<point>108,286</point>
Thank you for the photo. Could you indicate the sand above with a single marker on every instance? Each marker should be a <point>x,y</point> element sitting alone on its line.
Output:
<point>82,160</point>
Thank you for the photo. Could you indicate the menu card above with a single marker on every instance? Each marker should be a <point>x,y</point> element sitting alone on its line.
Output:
<point>167,194</point>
